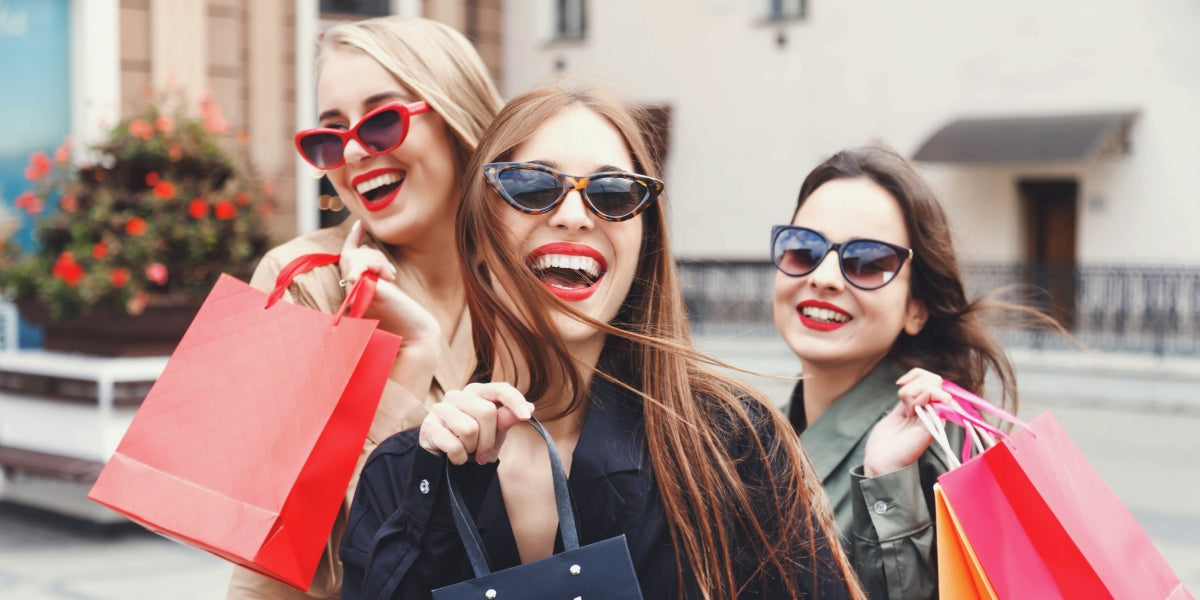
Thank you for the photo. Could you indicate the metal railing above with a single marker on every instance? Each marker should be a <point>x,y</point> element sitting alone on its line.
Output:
<point>1126,309</point>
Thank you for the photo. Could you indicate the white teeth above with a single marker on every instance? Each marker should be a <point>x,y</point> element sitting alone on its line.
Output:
<point>586,264</point>
<point>823,314</point>
<point>376,182</point>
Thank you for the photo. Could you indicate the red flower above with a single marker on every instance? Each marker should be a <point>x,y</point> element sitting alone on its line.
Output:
<point>141,129</point>
<point>152,178</point>
<point>198,208</point>
<point>39,166</point>
<point>137,304</point>
<point>30,203</point>
<point>164,124</point>
<point>157,272</point>
<point>225,210</point>
<point>99,251</point>
<point>135,226</point>
<point>165,190</point>
<point>119,277</point>
<point>69,203</point>
<point>66,269</point>
<point>63,153</point>
<point>242,198</point>
<point>174,152</point>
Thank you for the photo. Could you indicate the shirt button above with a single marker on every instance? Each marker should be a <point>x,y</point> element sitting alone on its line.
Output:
<point>880,507</point>
<point>424,486</point>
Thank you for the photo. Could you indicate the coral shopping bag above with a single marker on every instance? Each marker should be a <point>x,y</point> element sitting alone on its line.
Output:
<point>247,441</point>
<point>1045,525</point>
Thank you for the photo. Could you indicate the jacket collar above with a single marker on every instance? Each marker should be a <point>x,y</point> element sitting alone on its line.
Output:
<point>835,434</point>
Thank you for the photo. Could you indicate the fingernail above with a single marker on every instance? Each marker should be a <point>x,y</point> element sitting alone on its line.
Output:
<point>528,410</point>
<point>484,458</point>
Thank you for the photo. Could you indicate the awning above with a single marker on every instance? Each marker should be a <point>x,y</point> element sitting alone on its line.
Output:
<point>1029,139</point>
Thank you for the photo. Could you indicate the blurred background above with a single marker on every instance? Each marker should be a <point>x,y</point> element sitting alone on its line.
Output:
<point>1059,136</point>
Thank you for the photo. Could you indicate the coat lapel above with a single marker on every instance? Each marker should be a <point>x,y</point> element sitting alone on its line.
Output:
<point>831,440</point>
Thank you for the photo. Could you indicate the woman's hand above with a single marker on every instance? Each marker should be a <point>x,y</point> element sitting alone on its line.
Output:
<point>474,421</point>
<point>396,312</point>
<point>900,438</point>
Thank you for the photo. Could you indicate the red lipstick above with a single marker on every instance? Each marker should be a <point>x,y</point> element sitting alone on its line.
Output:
<point>381,202</point>
<point>569,249</point>
<point>821,325</point>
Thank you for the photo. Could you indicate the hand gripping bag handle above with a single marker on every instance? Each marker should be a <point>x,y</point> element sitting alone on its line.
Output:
<point>476,553</point>
<point>358,298</point>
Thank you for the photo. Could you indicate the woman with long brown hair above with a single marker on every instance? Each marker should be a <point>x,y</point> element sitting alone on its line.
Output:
<point>578,317</point>
<point>870,297</point>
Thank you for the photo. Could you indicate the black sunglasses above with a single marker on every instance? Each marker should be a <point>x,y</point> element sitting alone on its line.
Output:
<point>535,189</point>
<point>866,264</point>
<point>378,132</point>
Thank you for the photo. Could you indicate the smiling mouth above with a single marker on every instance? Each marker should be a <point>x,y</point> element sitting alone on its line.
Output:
<point>824,315</point>
<point>379,188</point>
<point>566,272</point>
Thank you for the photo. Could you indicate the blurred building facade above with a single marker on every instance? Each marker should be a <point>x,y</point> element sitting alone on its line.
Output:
<point>1058,135</point>
<point>254,57</point>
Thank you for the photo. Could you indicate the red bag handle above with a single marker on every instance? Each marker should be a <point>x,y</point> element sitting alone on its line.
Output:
<point>301,264</point>
<point>358,298</point>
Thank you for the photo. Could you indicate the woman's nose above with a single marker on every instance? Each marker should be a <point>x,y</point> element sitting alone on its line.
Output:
<point>828,274</point>
<point>572,214</point>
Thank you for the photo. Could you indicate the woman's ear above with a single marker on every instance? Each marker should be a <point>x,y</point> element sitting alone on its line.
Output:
<point>915,316</point>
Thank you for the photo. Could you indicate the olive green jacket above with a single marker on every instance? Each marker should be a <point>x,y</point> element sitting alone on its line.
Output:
<point>886,522</point>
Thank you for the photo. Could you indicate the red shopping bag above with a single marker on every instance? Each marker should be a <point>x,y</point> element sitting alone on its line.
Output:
<point>1045,525</point>
<point>246,443</point>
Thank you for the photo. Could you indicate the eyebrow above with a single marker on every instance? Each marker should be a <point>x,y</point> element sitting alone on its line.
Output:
<point>599,169</point>
<point>371,100</point>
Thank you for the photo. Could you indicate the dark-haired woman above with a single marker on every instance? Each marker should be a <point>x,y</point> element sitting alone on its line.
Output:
<point>870,297</point>
<point>577,316</point>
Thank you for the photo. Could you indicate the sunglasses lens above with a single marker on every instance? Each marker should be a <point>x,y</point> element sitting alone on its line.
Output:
<point>382,132</point>
<point>529,188</point>
<point>798,251</point>
<point>323,150</point>
<point>616,197</point>
<point>868,264</point>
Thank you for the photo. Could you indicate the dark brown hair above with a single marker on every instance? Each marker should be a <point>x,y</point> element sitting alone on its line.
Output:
<point>955,342</point>
<point>701,426</point>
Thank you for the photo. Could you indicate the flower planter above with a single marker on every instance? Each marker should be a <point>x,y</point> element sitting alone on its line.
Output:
<point>155,332</point>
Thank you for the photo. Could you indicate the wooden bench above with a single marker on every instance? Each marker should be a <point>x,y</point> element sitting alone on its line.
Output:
<point>44,463</point>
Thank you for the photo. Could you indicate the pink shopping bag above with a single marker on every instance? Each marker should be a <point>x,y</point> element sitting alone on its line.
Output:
<point>1045,525</point>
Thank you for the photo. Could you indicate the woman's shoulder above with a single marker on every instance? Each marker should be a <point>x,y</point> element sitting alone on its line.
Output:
<point>322,241</point>
<point>317,288</point>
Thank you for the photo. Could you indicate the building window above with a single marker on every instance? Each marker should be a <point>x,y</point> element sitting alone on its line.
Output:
<point>363,8</point>
<point>570,19</point>
<point>784,10</point>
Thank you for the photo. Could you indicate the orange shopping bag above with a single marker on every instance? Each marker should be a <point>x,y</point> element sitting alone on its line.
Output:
<point>960,575</point>
<point>246,443</point>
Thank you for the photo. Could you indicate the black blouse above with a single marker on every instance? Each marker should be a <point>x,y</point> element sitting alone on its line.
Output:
<point>400,540</point>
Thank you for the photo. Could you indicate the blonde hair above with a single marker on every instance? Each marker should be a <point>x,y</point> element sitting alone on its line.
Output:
<point>432,60</point>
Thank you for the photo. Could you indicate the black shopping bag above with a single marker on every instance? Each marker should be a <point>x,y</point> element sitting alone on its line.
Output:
<point>599,570</point>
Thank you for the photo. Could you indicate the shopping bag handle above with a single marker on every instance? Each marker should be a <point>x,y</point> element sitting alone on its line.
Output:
<point>476,553</point>
<point>358,298</point>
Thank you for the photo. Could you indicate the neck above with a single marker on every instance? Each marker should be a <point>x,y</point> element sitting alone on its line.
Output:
<point>585,355</point>
<point>824,383</point>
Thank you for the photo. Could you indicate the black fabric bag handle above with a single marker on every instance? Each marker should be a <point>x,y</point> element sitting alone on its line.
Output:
<point>562,500</point>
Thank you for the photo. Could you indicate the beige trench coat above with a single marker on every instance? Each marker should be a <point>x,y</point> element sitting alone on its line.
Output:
<point>398,408</point>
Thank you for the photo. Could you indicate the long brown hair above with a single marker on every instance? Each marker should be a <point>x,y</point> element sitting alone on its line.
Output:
<point>701,427</point>
<point>955,342</point>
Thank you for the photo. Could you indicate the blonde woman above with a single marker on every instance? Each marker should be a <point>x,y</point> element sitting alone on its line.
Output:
<point>402,103</point>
